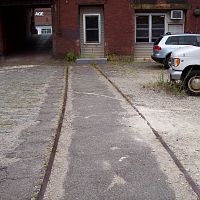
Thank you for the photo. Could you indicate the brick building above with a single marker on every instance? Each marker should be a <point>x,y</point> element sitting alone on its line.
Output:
<point>101,27</point>
<point>43,20</point>
<point>125,27</point>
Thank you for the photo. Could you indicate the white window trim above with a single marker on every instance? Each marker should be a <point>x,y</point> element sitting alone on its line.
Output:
<point>84,27</point>
<point>150,24</point>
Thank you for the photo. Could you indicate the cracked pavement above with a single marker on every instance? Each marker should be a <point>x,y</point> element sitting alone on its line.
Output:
<point>106,149</point>
<point>30,103</point>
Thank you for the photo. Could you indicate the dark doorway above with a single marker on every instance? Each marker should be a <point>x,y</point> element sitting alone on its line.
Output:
<point>20,35</point>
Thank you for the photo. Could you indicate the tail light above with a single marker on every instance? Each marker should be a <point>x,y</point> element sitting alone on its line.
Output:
<point>157,48</point>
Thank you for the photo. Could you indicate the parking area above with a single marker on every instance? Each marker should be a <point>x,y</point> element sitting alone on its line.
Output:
<point>175,117</point>
<point>30,102</point>
<point>31,96</point>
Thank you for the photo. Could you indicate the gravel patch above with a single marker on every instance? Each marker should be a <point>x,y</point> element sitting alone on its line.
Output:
<point>176,118</point>
<point>30,102</point>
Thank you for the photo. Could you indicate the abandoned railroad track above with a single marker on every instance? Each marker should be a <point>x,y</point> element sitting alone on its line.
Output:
<point>158,136</point>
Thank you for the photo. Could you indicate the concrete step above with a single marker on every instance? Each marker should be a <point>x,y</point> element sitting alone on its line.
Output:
<point>95,54</point>
<point>91,61</point>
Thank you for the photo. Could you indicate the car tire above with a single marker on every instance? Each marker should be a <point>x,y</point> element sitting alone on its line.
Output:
<point>191,83</point>
<point>167,62</point>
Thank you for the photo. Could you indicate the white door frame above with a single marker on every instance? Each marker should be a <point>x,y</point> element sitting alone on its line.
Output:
<point>84,27</point>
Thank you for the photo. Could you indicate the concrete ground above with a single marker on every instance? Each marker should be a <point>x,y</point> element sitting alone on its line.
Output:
<point>30,103</point>
<point>106,149</point>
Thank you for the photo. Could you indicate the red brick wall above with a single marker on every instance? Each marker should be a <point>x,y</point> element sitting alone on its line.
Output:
<point>43,20</point>
<point>66,28</point>
<point>192,23</point>
<point>119,31</point>
<point>119,25</point>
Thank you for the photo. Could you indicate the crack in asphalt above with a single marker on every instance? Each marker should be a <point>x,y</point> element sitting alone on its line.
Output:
<point>14,179</point>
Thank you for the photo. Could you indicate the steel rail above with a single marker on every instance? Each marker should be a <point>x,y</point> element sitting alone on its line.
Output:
<point>43,187</point>
<point>187,176</point>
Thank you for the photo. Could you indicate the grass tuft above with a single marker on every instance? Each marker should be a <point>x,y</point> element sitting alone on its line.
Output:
<point>113,58</point>
<point>170,87</point>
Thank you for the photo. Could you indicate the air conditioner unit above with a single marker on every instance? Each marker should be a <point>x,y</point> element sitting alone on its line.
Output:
<point>176,14</point>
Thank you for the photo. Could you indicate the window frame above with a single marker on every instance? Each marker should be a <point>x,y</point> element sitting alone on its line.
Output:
<point>150,24</point>
<point>44,31</point>
<point>84,27</point>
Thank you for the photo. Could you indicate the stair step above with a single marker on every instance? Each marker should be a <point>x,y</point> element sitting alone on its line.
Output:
<point>143,51</point>
<point>91,60</point>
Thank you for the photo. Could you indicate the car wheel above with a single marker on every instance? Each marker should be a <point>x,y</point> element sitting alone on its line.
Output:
<point>167,62</point>
<point>191,83</point>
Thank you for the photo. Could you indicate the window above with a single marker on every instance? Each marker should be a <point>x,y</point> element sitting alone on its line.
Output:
<point>172,40</point>
<point>158,27</point>
<point>142,29</point>
<point>183,40</point>
<point>198,41</point>
<point>45,31</point>
<point>149,27</point>
<point>188,40</point>
<point>91,23</point>
<point>158,40</point>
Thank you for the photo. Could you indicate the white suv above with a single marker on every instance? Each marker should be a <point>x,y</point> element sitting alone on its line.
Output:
<point>164,46</point>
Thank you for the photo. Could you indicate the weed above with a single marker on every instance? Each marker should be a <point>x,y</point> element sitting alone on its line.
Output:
<point>164,84</point>
<point>34,196</point>
<point>123,59</point>
<point>71,56</point>
<point>94,65</point>
<point>112,57</point>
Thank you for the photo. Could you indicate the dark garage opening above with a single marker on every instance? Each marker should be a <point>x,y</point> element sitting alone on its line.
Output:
<point>20,35</point>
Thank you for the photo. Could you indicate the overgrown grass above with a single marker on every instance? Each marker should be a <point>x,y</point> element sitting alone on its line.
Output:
<point>163,84</point>
<point>71,56</point>
<point>113,58</point>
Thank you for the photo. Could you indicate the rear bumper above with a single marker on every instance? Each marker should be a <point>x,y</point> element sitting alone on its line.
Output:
<point>159,60</point>
<point>174,75</point>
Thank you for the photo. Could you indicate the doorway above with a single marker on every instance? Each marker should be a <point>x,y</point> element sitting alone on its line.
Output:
<point>92,32</point>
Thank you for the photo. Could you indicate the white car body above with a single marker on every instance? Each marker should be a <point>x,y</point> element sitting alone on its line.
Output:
<point>166,44</point>
<point>185,66</point>
<point>189,55</point>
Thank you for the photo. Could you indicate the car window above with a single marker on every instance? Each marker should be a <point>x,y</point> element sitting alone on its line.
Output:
<point>172,40</point>
<point>198,41</point>
<point>158,40</point>
<point>187,40</point>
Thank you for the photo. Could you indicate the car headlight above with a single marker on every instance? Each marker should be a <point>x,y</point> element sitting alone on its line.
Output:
<point>176,62</point>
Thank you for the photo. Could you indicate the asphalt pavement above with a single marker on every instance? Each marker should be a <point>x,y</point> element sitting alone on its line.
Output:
<point>30,102</point>
<point>105,151</point>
